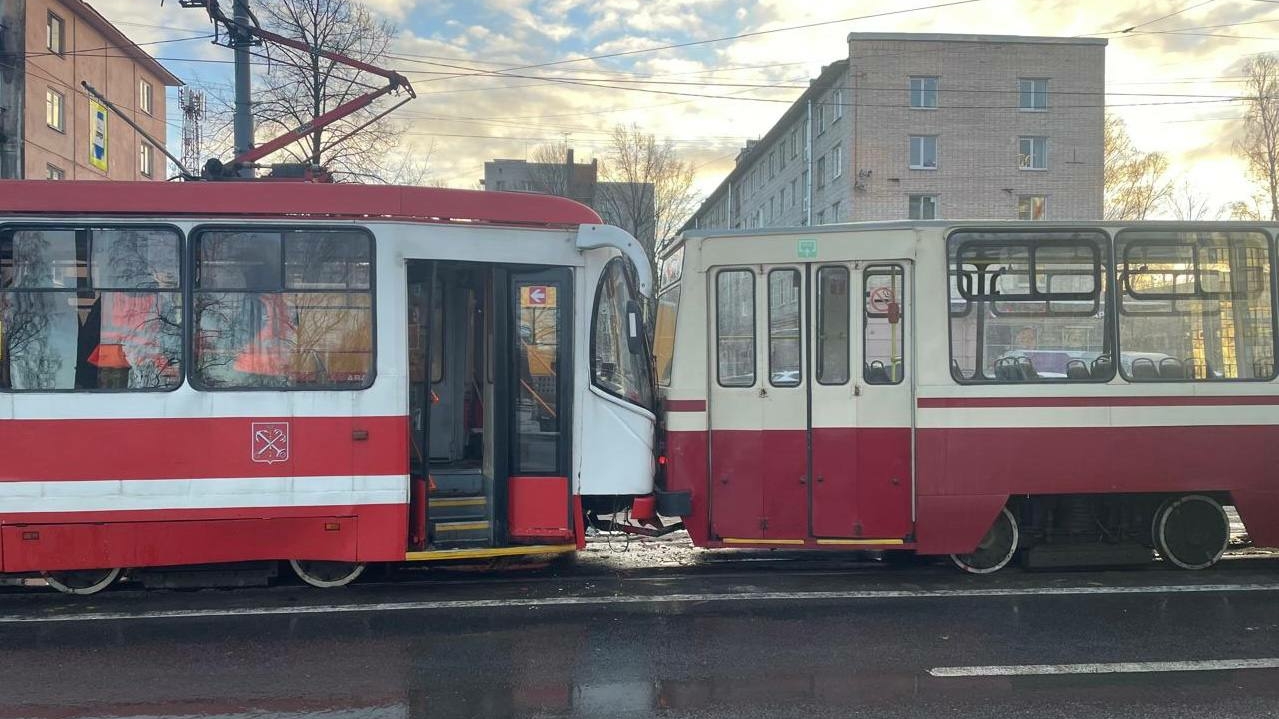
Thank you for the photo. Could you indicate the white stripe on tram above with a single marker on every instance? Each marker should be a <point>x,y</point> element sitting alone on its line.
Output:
<point>108,495</point>
<point>705,598</point>
<point>1036,670</point>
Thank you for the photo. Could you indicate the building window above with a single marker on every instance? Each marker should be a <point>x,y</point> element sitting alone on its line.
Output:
<point>837,161</point>
<point>837,103</point>
<point>834,213</point>
<point>923,152</point>
<point>1032,153</point>
<point>145,100</point>
<point>772,165</point>
<point>821,217</point>
<point>53,111</point>
<point>781,155</point>
<point>1031,207</point>
<point>820,173</point>
<point>794,144</point>
<point>821,118</point>
<point>772,210</point>
<point>1032,94</point>
<point>53,172</point>
<point>781,203</point>
<point>923,93</point>
<point>146,157</point>
<point>55,35</point>
<point>794,192</point>
<point>923,207</point>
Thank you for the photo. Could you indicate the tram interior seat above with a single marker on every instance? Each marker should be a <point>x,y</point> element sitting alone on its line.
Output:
<point>1171,368</point>
<point>1102,367</point>
<point>1144,368</point>
<point>877,373</point>
<point>1077,370</point>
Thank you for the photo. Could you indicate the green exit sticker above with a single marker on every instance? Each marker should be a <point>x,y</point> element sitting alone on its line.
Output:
<point>807,250</point>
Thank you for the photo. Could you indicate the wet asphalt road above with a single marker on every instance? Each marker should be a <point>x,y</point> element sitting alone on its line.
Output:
<point>743,640</point>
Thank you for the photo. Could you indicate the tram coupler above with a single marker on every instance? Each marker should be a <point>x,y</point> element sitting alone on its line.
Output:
<point>649,528</point>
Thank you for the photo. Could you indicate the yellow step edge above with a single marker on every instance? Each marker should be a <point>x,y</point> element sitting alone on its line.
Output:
<point>489,552</point>
<point>460,526</point>
<point>734,540</point>
<point>861,541</point>
<point>459,502</point>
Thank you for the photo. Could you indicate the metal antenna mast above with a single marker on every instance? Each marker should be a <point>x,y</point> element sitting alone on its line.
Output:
<point>192,103</point>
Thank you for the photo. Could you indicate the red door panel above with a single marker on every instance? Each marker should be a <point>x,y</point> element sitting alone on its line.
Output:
<point>883,482</point>
<point>835,472</point>
<point>785,475</point>
<point>737,483</point>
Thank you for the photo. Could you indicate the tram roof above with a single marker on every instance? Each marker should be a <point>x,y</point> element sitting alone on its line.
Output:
<point>272,199</point>
<point>994,225</point>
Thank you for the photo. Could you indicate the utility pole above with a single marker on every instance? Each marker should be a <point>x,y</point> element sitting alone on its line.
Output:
<point>242,41</point>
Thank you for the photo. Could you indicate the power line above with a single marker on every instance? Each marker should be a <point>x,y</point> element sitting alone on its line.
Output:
<point>88,51</point>
<point>756,33</point>
<point>1165,17</point>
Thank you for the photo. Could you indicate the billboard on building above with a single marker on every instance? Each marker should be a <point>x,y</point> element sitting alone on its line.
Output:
<point>98,135</point>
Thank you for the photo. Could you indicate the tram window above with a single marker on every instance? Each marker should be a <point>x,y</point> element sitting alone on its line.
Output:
<point>833,310</point>
<point>1029,307</point>
<point>664,334</point>
<point>615,367</point>
<point>884,324</point>
<point>735,327</point>
<point>1195,306</point>
<point>283,309</point>
<point>538,421</point>
<point>90,309</point>
<point>783,329</point>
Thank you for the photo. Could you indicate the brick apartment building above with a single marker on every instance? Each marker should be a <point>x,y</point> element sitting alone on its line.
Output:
<point>924,126</point>
<point>49,127</point>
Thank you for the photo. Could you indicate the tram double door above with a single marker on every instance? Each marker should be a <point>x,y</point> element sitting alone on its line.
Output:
<point>489,404</point>
<point>810,411</point>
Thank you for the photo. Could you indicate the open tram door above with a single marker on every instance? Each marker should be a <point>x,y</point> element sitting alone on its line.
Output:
<point>489,405</point>
<point>811,404</point>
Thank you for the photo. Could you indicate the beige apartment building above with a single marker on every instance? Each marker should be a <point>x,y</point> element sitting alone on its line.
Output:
<point>50,128</point>
<point>927,126</point>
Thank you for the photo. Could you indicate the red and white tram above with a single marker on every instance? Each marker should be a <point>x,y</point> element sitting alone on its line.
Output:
<point>331,375</point>
<point>1079,392</point>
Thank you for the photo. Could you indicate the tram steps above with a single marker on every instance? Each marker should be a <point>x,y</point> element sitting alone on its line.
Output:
<point>459,521</point>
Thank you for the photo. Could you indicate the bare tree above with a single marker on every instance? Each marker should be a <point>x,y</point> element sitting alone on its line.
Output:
<point>1187,203</point>
<point>1251,209</point>
<point>646,189</point>
<point>1259,145</point>
<point>1136,183</point>
<point>299,86</point>
<point>549,171</point>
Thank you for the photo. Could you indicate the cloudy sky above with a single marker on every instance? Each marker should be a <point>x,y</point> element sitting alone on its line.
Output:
<point>1171,76</point>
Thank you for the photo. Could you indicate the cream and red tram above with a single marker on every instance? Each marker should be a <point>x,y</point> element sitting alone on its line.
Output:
<point>329,375</point>
<point>1079,392</point>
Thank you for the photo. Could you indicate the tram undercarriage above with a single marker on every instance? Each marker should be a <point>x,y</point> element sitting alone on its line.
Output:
<point>1189,531</point>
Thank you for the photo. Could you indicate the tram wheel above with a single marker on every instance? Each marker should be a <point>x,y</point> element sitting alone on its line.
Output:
<point>82,581</point>
<point>326,574</point>
<point>1192,531</point>
<point>995,550</point>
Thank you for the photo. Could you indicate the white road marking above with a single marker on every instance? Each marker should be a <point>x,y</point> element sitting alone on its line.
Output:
<point>1034,670</point>
<point>535,603</point>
